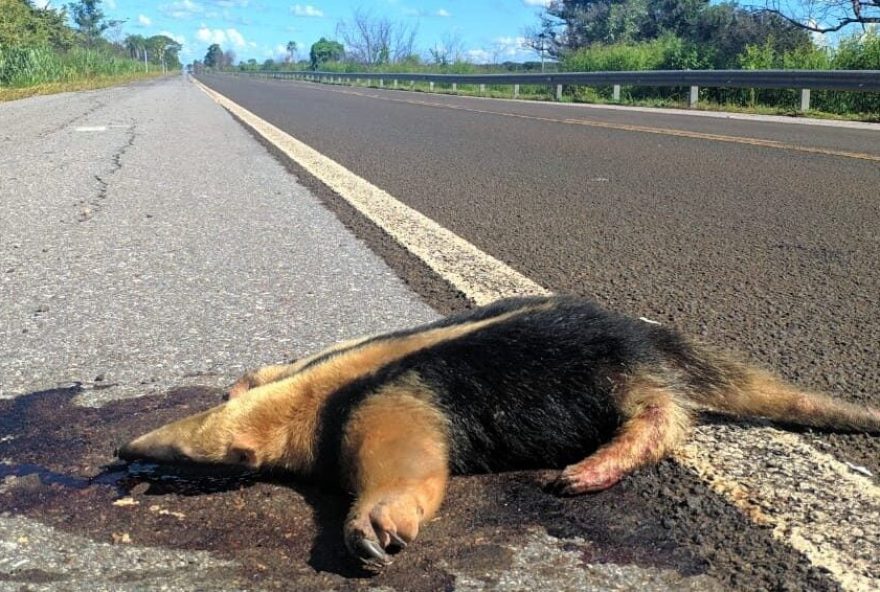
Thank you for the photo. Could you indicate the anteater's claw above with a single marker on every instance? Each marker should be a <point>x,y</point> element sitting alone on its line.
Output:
<point>372,555</point>
<point>395,538</point>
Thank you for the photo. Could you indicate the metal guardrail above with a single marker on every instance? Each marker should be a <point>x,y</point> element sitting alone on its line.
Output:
<point>805,80</point>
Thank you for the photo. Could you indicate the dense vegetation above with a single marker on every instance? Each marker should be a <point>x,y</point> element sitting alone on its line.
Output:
<point>37,46</point>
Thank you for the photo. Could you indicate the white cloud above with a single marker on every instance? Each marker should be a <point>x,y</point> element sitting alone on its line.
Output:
<point>144,21</point>
<point>183,9</point>
<point>478,56</point>
<point>542,3</point>
<point>510,45</point>
<point>443,12</point>
<point>111,4</point>
<point>221,36</point>
<point>207,35</point>
<point>502,49</point>
<point>306,10</point>
<point>236,38</point>
<point>181,39</point>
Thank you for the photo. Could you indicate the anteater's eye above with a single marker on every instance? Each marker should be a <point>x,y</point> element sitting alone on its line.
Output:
<point>240,456</point>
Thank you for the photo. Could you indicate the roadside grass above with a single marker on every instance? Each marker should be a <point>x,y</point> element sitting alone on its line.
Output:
<point>90,83</point>
<point>28,71</point>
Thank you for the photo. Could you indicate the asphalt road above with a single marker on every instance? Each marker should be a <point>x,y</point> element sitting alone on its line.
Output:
<point>771,251</point>
<point>151,247</point>
<point>146,243</point>
<point>724,227</point>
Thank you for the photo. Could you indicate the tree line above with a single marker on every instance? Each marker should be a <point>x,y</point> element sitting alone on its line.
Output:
<point>613,34</point>
<point>702,34</point>
<point>38,45</point>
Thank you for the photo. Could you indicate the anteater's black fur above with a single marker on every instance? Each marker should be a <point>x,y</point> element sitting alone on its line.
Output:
<point>535,390</point>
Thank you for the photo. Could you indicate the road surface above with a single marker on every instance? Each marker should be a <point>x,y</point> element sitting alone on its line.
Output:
<point>152,249</point>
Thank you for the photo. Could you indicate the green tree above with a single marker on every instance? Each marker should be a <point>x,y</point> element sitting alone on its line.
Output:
<point>292,48</point>
<point>718,32</point>
<point>568,25</point>
<point>214,56</point>
<point>724,31</point>
<point>324,50</point>
<point>136,45</point>
<point>89,19</point>
<point>164,51</point>
<point>23,25</point>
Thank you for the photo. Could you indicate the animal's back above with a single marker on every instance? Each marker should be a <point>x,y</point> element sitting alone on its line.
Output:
<point>535,389</point>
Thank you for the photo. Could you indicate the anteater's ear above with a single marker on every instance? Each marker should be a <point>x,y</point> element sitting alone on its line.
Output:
<point>241,386</point>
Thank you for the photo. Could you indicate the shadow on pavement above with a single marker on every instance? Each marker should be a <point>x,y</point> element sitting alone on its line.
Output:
<point>60,471</point>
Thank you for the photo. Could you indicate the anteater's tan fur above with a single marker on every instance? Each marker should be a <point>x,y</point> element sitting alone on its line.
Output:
<point>410,407</point>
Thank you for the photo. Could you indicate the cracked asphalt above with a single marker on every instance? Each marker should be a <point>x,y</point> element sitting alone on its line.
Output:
<point>146,242</point>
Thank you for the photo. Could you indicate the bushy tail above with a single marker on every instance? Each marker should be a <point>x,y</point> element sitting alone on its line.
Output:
<point>746,391</point>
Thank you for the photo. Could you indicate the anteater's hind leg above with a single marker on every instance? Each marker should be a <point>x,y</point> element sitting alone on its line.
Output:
<point>655,424</point>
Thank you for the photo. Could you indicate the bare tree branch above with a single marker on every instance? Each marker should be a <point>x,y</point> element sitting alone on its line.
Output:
<point>825,16</point>
<point>373,40</point>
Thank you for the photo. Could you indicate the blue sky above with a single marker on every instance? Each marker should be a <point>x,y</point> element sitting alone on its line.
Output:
<point>487,29</point>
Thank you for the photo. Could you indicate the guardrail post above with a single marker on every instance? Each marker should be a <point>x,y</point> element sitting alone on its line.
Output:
<point>455,87</point>
<point>482,89</point>
<point>515,91</point>
<point>395,83</point>
<point>694,97</point>
<point>805,99</point>
<point>558,92</point>
<point>431,84</point>
<point>381,83</point>
<point>615,95</point>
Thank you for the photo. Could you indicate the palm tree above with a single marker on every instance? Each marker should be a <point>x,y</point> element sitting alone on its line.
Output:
<point>291,50</point>
<point>134,44</point>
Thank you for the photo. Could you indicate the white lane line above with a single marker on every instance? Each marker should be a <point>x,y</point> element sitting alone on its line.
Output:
<point>813,502</point>
<point>91,128</point>
<point>481,277</point>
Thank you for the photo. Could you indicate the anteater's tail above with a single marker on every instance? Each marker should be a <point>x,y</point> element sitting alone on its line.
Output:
<point>731,386</point>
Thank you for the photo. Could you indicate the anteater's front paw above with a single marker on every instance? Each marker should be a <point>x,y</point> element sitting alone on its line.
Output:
<point>376,530</point>
<point>588,476</point>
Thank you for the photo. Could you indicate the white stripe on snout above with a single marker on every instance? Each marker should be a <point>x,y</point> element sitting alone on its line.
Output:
<point>813,502</point>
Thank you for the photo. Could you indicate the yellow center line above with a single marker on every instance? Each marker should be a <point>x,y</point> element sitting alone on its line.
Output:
<point>644,129</point>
